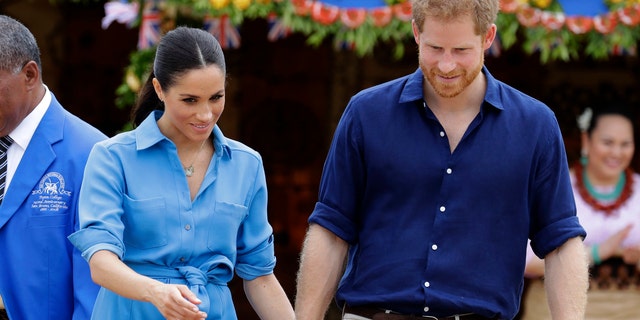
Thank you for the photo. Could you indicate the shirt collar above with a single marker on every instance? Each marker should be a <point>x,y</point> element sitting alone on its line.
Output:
<point>412,90</point>
<point>492,97</point>
<point>23,133</point>
<point>148,134</point>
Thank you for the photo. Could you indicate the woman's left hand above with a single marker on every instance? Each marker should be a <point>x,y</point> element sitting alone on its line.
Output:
<point>176,302</point>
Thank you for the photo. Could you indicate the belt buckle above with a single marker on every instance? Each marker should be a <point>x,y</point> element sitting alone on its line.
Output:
<point>387,311</point>
<point>456,317</point>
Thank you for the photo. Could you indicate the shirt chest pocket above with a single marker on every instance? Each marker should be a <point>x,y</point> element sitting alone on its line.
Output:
<point>227,217</point>
<point>145,222</point>
<point>51,210</point>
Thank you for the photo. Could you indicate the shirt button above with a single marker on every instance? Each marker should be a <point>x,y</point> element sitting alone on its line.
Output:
<point>182,259</point>
<point>449,170</point>
<point>442,209</point>
<point>426,309</point>
<point>434,247</point>
<point>442,133</point>
<point>187,227</point>
<point>427,284</point>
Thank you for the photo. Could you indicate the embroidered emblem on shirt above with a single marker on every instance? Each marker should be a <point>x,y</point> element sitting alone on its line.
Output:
<point>51,193</point>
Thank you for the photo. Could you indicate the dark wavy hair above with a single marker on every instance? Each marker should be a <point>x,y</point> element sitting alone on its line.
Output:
<point>611,108</point>
<point>179,51</point>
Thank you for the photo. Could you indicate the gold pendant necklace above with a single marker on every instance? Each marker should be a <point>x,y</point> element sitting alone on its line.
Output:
<point>188,171</point>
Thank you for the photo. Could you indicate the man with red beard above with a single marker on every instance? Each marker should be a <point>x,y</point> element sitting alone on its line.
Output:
<point>433,185</point>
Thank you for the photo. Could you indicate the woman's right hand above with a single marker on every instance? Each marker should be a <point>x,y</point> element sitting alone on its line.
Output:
<point>176,302</point>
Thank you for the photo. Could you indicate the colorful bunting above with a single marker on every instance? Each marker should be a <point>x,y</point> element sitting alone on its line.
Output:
<point>123,12</point>
<point>227,34</point>
<point>150,27</point>
<point>277,29</point>
<point>596,28</point>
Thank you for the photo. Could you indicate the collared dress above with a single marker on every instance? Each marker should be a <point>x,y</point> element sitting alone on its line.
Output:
<point>435,232</point>
<point>136,203</point>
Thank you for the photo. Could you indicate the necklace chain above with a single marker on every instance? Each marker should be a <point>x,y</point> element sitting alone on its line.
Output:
<point>617,191</point>
<point>188,171</point>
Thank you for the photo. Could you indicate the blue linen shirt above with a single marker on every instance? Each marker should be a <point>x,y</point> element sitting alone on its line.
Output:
<point>135,202</point>
<point>433,232</point>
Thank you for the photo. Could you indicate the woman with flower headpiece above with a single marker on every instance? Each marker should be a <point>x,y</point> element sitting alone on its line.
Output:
<point>607,194</point>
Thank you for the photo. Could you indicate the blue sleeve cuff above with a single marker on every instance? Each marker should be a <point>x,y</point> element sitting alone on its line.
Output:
<point>555,235</point>
<point>259,262</point>
<point>89,241</point>
<point>335,222</point>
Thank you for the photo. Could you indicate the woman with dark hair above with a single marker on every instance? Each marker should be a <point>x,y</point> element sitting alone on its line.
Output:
<point>172,209</point>
<point>607,194</point>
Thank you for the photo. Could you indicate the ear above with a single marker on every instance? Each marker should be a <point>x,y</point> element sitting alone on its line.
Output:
<point>416,31</point>
<point>158,89</point>
<point>490,36</point>
<point>31,74</point>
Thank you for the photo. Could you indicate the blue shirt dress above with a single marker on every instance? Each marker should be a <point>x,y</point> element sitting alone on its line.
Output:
<point>435,232</point>
<point>135,202</point>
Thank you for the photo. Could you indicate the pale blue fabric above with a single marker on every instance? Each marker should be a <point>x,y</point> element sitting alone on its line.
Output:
<point>136,203</point>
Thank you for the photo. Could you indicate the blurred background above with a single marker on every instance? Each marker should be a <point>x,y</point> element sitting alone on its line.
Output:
<point>293,65</point>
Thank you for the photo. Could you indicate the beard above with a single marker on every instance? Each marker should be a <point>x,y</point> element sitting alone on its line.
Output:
<point>450,90</point>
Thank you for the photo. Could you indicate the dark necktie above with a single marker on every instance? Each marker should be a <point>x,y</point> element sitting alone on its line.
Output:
<point>5,142</point>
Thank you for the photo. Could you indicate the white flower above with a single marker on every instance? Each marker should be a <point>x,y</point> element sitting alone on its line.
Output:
<point>584,119</point>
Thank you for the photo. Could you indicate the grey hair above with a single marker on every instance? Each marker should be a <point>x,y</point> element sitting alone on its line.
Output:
<point>17,45</point>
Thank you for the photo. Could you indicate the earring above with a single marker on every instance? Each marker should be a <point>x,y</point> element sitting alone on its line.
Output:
<point>583,158</point>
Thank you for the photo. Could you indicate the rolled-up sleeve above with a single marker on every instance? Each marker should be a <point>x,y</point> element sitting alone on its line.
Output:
<point>100,205</point>
<point>255,238</point>
<point>343,180</point>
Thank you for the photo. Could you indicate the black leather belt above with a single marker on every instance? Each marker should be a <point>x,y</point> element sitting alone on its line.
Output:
<point>380,314</point>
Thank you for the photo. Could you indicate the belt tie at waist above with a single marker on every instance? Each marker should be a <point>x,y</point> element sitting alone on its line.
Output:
<point>196,281</point>
<point>218,272</point>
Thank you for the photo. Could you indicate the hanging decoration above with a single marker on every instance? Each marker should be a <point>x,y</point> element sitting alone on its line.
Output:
<point>277,29</point>
<point>221,27</point>
<point>554,29</point>
<point>357,25</point>
<point>150,31</point>
<point>123,12</point>
<point>571,29</point>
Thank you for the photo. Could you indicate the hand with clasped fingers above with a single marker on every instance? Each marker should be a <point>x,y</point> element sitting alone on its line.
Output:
<point>173,301</point>
<point>176,302</point>
<point>612,247</point>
